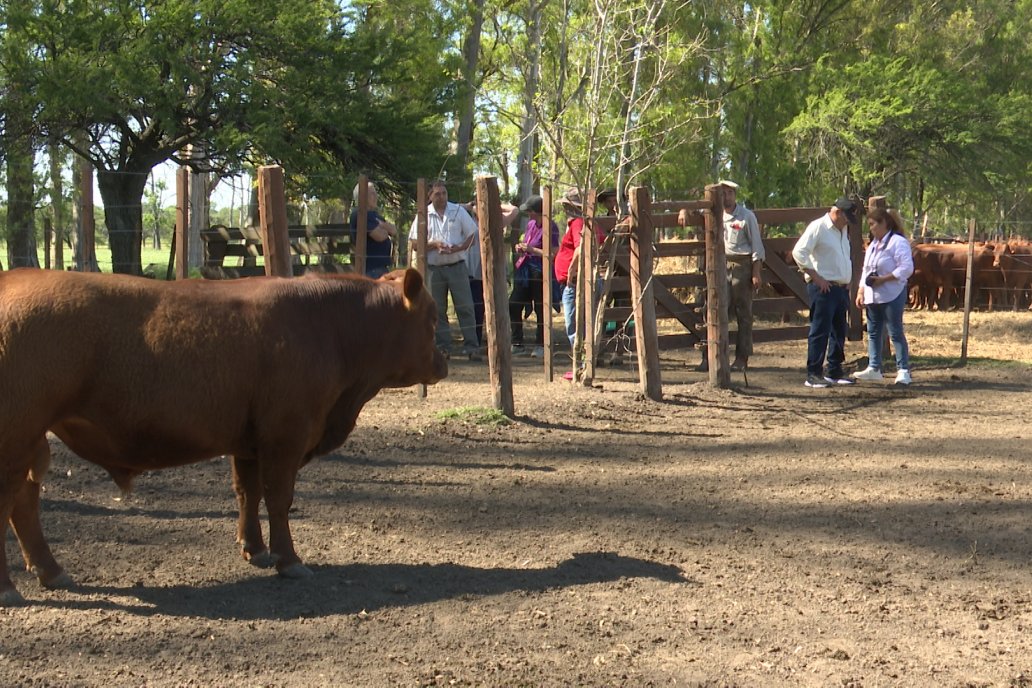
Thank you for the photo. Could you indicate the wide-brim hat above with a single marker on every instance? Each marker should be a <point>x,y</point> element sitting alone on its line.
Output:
<point>604,194</point>
<point>728,183</point>
<point>572,198</point>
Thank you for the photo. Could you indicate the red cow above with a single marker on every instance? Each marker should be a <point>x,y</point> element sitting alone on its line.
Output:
<point>942,270</point>
<point>134,375</point>
<point>1014,260</point>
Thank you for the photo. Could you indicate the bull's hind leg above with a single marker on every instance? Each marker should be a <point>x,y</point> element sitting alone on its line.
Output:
<point>247,483</point>
<point>27,527</point>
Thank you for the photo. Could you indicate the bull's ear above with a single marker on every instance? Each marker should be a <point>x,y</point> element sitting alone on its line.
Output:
<point>413,285</point>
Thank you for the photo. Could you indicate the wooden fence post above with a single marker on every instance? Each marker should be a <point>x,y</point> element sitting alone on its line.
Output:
<point>272,213</point>
<point>546,278</point>
<point>968,284</point>
<point>496,312</point>
<point>716,289</point>
<point>855,320</point>
<point>182,269</point>
<point>421,224</point>
<point>646,333</point>
<point>421,239</point>
<point>362,226</point>
<point>87,257</point>
<point>589,252</point>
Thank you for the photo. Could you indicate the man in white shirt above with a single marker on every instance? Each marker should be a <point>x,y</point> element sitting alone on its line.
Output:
<point>450,233</point>
<point>822,253</point>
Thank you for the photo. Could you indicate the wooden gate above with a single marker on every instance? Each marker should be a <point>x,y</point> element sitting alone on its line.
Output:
<point>680,293</point>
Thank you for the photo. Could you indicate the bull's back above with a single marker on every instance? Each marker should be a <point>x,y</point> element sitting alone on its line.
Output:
<point>122,367</point>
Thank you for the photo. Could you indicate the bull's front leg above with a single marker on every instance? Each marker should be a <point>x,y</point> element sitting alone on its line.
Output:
<point>25,521</point>
<point>279,471</point>
<point>247,483</point>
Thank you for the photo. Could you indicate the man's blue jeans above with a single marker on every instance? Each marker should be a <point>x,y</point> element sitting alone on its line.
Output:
<point>827,329</point>
<point>880,316</point>
<point>570,312</point>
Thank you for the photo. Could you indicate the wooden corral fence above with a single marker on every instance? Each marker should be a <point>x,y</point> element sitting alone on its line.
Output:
<point>678,297</point>
<point>231,252</point>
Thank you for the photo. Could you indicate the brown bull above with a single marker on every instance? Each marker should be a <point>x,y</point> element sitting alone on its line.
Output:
<point>135,375</point>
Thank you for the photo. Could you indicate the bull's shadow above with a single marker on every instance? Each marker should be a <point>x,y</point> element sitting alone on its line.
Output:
<point>357,588</point>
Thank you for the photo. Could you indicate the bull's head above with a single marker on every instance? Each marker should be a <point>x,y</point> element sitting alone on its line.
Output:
<point>420,361</point>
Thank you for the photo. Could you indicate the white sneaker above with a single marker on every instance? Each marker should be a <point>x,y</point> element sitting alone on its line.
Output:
<point>903,377</point>
<point>868,374</point>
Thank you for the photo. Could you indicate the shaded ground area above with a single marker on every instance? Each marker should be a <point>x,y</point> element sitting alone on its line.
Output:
<point>765,535</point>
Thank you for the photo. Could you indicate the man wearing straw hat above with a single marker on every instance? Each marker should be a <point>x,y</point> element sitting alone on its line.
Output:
<point>743,250</point>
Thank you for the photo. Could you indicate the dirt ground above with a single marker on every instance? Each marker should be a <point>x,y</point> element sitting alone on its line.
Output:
<point>764,535</point>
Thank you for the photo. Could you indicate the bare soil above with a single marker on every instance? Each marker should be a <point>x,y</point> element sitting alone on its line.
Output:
<point>765,535</point>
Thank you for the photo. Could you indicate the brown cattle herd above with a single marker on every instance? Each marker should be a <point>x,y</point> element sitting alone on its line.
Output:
<point>1001,275</point>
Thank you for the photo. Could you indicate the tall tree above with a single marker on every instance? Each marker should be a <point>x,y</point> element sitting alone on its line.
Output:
<point>16,137</point>
<point>247,81</point>
<point>470,81</point>
<point>938,99</point>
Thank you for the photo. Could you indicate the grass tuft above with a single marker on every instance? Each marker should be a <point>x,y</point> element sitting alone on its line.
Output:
<point>477,415</point>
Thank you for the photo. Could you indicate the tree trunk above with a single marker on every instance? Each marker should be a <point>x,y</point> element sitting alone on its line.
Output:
<point>21,216</point>
<point>123,209</point>
<point>200,209</point>
<point>528,139</point>
<point>57,201</point>
<point>155,195</point>
<point>471,55</point>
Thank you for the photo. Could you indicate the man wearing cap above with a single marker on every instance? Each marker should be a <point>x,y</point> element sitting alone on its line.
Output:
<point>822,253</point>
<point>743,249</point>
<point>450,233</point>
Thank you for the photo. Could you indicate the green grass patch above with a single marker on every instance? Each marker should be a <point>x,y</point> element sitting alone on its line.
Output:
<point>476,415</point>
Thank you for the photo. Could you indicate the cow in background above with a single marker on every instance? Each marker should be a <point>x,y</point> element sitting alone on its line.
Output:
<point>135,375</point>
<point>941,273</point>
<point>1014,260</point>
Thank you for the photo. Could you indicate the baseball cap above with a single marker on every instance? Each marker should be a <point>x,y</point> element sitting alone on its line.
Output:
<point>846,205</point>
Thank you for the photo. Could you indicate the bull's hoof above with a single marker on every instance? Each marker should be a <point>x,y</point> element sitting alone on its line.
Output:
<point>11,598</point>
<point>296,572</point>
<point>262,560</point>
<point>62,581</point>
